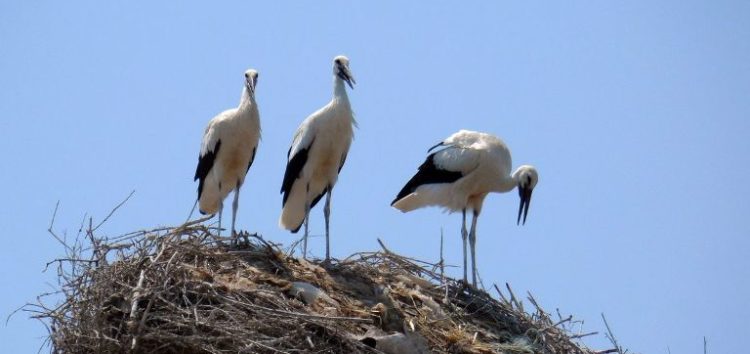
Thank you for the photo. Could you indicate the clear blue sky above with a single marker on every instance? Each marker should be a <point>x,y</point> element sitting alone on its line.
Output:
<point>636,114</point>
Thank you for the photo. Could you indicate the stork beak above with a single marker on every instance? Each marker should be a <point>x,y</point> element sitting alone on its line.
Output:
<point>523,207</point>
<point>250,83</point>
<point>346,75</point>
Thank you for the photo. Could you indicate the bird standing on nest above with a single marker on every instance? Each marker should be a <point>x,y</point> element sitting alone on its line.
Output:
<point>467,166</point>
<point>227,152</point>
<point>316,156</point>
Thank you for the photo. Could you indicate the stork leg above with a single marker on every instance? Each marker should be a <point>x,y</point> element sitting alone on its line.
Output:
<point>473,242</point>
<point>235,203</point>
<point>464,235</point>
<point>221,208</point>
<point>307,220</point>
<point>327,213</point>
<point>192,210</point>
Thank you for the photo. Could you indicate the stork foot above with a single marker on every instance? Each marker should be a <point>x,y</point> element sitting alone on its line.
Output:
<point>467,285</point>
<point>326,263</point>
<point>234,242</point>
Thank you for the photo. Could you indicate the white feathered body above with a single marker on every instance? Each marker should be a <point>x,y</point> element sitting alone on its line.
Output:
<point>484,162</point>
<point>238,132</point>
<point>327,135</point>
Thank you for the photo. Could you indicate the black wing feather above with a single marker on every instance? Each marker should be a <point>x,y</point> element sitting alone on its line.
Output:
<point>317,198</point>
<point>252,158</point>
<point>428,173</point>
<point>205,163</point>
<point>293,170</point>
<point>315,201</point>
<point>436,146</point>
<point>341,165</point>
<point>298,227</point>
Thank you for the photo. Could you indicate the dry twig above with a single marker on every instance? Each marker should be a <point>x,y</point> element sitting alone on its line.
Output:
<point>170,290</point>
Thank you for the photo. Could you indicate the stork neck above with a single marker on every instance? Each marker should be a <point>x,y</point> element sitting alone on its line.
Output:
<point>246,100</point>
<point>339,89</point>
<point>510,182</point>
<point>506,183</point>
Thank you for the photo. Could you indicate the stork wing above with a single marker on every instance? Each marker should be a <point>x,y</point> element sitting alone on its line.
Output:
<point>343,161</point>
<point>457,159</point>
<point>296,158</point>
<point>252,159</point>
<point>466,139</point>
<point>209,149</point>
<point>445,166</point>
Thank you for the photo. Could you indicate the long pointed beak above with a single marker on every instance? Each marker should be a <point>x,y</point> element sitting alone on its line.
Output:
<point>250,83</point>
<point>350,78</point>
<point>523,207</point>
<point>346,75</point>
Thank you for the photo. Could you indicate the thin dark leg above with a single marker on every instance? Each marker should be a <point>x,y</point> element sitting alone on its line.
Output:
<point>221,209</point>
<point>327,213</point>
<point>235,204</point>
<point>192,211</point>
<point>464,235</point>
<point>307,219</point>
<point>473,242</point>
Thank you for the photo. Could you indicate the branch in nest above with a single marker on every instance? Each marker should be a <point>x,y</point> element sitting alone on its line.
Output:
<point>113,211</point>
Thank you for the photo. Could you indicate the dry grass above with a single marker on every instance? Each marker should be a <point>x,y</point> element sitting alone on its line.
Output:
<point>182,290</point>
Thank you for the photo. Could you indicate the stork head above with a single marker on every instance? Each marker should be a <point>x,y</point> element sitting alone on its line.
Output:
<point>341,70</point>
<point>251,79</point>
<point>526,177</point>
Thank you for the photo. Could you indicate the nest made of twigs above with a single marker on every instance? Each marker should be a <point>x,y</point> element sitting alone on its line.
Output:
<point>183,290</point>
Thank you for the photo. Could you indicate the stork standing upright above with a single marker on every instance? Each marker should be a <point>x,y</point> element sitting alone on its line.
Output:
<point>316,156</point>
<point>468,166</point>
<point>227,152</point>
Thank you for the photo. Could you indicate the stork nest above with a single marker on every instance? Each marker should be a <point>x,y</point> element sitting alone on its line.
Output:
<point>184,290</point>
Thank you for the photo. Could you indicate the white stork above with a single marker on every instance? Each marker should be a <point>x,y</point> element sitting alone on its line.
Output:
<point>316,156</point>
<point>227,152</point>
<point>459,176</point>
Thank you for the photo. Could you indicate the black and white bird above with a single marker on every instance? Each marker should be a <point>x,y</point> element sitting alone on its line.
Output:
<point>316,156</point>
<point>227,152</point>
<point>467,166</point>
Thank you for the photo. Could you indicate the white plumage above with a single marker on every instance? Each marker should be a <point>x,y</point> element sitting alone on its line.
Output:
<point>468,166</point>
<point>227,152</point>
<point>316,156</point>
